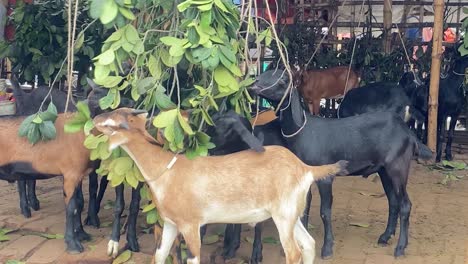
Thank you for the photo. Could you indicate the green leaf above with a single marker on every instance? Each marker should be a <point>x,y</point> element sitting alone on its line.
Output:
<point>184,5</point>
<point>228,53</point>
<point>359,224</point>
<point>176,51</point>
<point>220,5</point>
<point>122,165</point>
<point>131,179</point>
<point>154,66</point>
<point>143,85</point>
<point>184,124</point>
<point>163,101</point>
<point>270,240</point>
<point>47,130</point>
<point>208,240</point>
<point>96,8</point>
<point>4,238</point>
<point>122,258</point>
<point>127,13</point>
<point>465,10</point>
<point>173,41</point>
<point>107,57</point>
<point>152,217</point>
<point>165,118</point>
<point>37,119</point>
<point>25,126</point>
<point>131,34</point>
<point>169,60</point>
<point>101,71</point>
<point>79,41</point>
<point>201,54</point>
<point>149,207</point>
<point>109,11</point>
<point>106,101</point>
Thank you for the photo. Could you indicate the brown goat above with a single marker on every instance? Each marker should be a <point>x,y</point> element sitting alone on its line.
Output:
<point>65,155</point>
<point>191,193</point>
<point>314,85</point>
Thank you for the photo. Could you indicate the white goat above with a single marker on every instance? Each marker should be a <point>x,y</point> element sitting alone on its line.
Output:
<point>244,187</point>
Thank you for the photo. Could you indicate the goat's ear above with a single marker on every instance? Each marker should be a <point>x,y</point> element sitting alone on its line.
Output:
<point>248,138</point>
<point>143,114</point>
<point>116,140</point>
<point>296,107</point>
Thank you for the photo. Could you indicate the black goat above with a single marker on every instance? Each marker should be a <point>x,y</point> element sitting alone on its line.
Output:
<point>28,104</point>
<point>451,102</point>
<point>376,142</point>
<point>383,96</point>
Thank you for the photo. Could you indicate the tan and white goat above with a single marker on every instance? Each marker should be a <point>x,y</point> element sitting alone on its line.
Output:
<point>244,187</point>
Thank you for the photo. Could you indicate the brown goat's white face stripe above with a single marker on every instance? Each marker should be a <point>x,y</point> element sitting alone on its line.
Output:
<point>108,122</point>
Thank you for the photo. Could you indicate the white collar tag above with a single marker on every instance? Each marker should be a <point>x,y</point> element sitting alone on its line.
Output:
<point>173,161</point>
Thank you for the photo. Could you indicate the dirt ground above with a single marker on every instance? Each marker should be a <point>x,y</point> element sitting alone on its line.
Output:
<point>438,229</point>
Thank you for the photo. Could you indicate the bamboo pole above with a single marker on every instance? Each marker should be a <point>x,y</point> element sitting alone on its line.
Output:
<point>387,13</point>
<point>435,73</point>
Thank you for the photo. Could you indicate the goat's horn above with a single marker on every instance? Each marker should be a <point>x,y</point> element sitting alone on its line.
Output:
<point>138,111</point>
<point>124,126</point>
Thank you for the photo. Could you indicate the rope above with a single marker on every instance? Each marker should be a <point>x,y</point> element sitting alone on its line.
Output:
<point>354,48</point>
<point>324,36</point>
<point>299,130</point>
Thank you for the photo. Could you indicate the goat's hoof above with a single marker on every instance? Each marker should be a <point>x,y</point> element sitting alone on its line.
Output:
<point>399,252</point>
<point>256,258</point>
<point>83,236</point>
<point>113,248</point>
<point>26,213</point>
<point>92,221</point>
<point>327,252</point>
<point>132,245</point>
<point>449,157</point>
<point>35,205</point>
<point>74,247</point>
<point>383,240</point>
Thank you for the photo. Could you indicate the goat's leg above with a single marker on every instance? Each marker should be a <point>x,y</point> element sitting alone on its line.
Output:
<point>113,245</point>
<point>80,233</point>
<point>192,238</point>
<point>316,107</point>
<point>286,233</point>
<point>305,214</point>
<point>405,212</point>
<point>441,124</point>
<point>70,190</point>
<point>102,189</point>
<point>326,201</point>
<point>93,219</point>
<point>203,231</point>
<point>169,234</point>
<point>306,242</point>
<point>448,147</point>
<point>31,193</point>
<point>231,240</point>
<point>24,204</point>
<point>393,208</point>
<point>419,131</point>
<point>132,241</point>
<point>257,256</point>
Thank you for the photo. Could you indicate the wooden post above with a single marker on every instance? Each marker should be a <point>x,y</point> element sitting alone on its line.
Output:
<point>387,13</point>
<point>435,73</point>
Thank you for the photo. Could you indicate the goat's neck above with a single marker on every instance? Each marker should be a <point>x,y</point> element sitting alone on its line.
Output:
<point>151,159</point>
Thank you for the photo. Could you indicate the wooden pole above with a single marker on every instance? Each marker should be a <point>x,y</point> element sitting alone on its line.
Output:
<point>387,13</point>
<point>435,73</point>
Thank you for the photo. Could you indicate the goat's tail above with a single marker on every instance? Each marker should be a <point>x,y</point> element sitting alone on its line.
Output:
<point>325,171</point>
<point>422,151</point>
